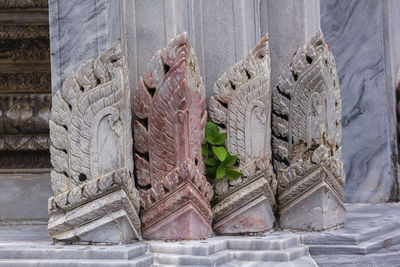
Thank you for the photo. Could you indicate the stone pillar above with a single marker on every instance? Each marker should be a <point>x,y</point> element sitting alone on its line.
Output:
<point>365,41</point>
<point>80,31</point>
<point>290,24</point>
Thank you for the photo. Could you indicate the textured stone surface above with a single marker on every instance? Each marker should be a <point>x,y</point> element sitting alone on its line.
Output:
<point>306,140</point>
<point>371,237</point>
<point>242,107</point>
<point>170,99</point>
<point>90,129</point>
<point>290,24</point>
<point>365,41</point>
<point>80,31</point>
<point>23,196</point>
<point>25,97</point>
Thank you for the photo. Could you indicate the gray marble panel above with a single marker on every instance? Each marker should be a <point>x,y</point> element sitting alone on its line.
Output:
<point>290,24</point>
<point>79,31</point>
<point>23,197</point>
<point>365,44</point>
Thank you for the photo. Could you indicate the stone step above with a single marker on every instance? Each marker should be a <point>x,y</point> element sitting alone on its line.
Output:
<point>350,238</point>
<point>260,243</point>
<point>373,260</point>
<point>304,261</point>
<point>216,244</point>
<point>73,252</point>
<point>216,259</point>
<point>199,248</point>
<point>225,256</point>
<point>270,255</point>
<point>377,244</point>
<point>141,261</point>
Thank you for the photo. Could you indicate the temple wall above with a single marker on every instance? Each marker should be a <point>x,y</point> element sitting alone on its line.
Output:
<point>362,36</point>
<point>365,41</point>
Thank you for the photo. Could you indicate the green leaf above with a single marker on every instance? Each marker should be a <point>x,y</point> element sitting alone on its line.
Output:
<point>204,150</point>
<point>232,174</point>
<point>211,162</point>
<point>211,172</point>
<point>220,139</point>
<point>230,160</point>
<point>220,171</point>
<point>211,130</point>
<point>220,152</point>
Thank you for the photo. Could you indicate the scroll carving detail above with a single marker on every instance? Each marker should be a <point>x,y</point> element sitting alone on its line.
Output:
<point>306,140</point>
<point>90,131</point>
<point>242,105</point>
<point>170,104</point>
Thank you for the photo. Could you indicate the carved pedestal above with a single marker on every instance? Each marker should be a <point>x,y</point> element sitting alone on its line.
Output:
<point>242,104</point>
<point>306,140</point>
<point>91,152</point>
<point>170,101</point>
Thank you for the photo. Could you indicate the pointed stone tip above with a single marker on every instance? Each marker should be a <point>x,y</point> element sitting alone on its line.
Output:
<point>179,40</point>
<point>261,49</point>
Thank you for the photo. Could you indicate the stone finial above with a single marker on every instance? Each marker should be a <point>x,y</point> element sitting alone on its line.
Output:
<point>170,103</point>
<point>91,152</point>
<point>306,140</point>
<point>242,106</point>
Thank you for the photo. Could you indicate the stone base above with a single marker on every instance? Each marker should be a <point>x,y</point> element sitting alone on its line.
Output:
<point>185,223</point>
<point>108,219</point>
<point>256,216</point>
<point>182,215</point>
<point>317,209</point>
<point>370,237</point>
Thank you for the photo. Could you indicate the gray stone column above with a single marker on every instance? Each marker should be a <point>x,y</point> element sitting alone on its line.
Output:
<point>79,31</point>
<point>290,24</point>
<point>365,41</point>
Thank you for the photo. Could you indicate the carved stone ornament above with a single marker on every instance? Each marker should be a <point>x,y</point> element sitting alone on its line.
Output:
<point>242,106</point>
<point>91,152</point>
<point>170,102</point>
<point>306,140</point>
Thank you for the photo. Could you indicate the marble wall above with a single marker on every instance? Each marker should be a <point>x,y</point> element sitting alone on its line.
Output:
<point>362,35</point>
<point>364,39</point>
<point>221,31</point>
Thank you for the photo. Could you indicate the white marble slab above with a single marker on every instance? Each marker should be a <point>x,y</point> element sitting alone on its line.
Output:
<point>358,34</point>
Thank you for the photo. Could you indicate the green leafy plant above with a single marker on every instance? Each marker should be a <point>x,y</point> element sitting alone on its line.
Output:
<point>219,162</point>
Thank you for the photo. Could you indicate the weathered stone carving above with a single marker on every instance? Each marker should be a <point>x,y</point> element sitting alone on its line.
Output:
<point>91,152</point>
<point>306,140</point>
<point>25,82</point>
<point>242,104</point>
<point>170,101</point>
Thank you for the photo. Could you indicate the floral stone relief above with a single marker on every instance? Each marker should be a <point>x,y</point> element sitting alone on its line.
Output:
<point>170,103</point>
<point>242,107</point>
<point>95,199</point>
<point>306,140</point>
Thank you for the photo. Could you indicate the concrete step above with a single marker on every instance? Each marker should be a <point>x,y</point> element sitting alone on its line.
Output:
<point>73,252</point>
<point>141,261</point>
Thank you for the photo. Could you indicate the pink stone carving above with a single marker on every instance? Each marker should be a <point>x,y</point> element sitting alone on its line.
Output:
<point>170,103</point>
